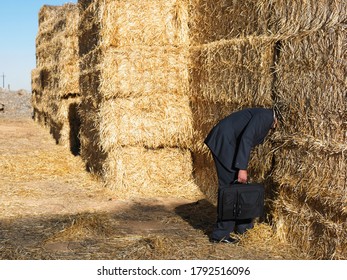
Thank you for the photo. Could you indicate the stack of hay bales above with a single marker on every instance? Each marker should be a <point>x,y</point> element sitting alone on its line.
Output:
<point>55,80</point>
<point>156,76</point>
<point>231,61</point>
<point>310,162</point>
<point>136,119</point>
<point>290,54</point>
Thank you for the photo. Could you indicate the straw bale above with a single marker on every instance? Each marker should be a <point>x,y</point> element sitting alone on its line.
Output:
<point>156,120</point>
<point>311,84</point>
<point>71,12</point>
<point>45,77</point>
<point>314,169</point>
<point>318,231</point>
<point>58,19</point>
<point>59,117</point>
<point>91,60</point>
<point>147,22</point>
<point>49,53</point>
<point>70,48</point>
<point>140,172</point>
<point>227,76</point>
<point>59,52</point>
<point>63,109</point>
<point>56,34</point>
<point>205,175</point>
<point>90,137</point>
<point>211,21</point>
<point>39,117</point>
<point>237,70</point>
<point>89,26</point>
<point>84,4</point>
<point>144,70</point>
<point>291,17</point>
<point>43,101</point>
<point>67,122</point>
<point>69,80</point>
<point>89,85</point>
<point>36,80</point>
<point>56,79</point>
<point>47,15</point>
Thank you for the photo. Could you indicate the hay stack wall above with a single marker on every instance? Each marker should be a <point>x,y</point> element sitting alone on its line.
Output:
<point>55,79</point>
<point>136,118</point>
<point>310,170</point>
<point>290,54</point>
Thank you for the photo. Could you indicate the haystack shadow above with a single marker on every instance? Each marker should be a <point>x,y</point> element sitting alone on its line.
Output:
<point>200,215</point>
<point>75,126</point>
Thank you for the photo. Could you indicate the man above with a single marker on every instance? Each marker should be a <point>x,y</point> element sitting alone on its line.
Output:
<point>231,142</point>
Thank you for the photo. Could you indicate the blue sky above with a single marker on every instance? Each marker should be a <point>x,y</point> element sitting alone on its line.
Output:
<point>18,30</point>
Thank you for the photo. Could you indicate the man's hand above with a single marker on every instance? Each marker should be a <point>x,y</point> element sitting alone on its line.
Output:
<point>242,176</point>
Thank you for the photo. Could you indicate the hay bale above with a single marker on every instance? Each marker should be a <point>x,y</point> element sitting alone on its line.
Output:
<point>228,19</point>
<point>150,121</point>
<point>65,116</point>
<point>211,21</point>
<point>56,33</point>
<point>318,231</point>
<point>55,81</point>
<point>291,17</point>
<point>310,166</point>
<point>205,175</point>
<point>138,23</point>
<point>311,84</point>
<point>88,26</point>
<point>316,173</point>
<point>57,46</point>
<point>90,138</point>
<point>134,83</point>
<point>137,171</point>
<point>135,71</point>
<point>237,70</point>
<point>36,85</point>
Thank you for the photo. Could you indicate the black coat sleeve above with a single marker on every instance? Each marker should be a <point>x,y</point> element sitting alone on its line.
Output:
<point>253,135</point>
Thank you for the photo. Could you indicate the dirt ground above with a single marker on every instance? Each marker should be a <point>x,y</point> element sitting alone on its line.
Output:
<point>52,208</point>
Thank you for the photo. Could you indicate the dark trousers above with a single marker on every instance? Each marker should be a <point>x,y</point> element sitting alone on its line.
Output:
<point>223,228</point>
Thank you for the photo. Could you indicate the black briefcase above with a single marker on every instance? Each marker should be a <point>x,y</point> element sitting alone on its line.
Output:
<point>241,201</point>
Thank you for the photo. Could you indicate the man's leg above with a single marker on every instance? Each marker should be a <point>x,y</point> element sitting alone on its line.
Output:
<point>226,176</point>
<point>243,225</point>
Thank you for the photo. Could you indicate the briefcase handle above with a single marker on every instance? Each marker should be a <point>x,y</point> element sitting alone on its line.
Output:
<point>237,182</point>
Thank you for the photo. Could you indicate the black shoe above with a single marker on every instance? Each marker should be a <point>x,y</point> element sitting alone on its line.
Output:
<point>229,240</point>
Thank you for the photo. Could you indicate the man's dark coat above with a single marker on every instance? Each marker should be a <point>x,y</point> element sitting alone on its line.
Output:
<point>233,138</point>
